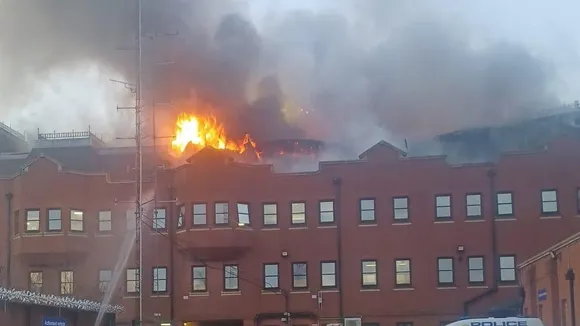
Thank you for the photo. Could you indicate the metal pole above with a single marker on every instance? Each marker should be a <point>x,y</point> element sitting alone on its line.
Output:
<point>139,158</point>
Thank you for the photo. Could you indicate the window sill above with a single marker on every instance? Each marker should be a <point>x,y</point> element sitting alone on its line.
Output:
<point>298,228</point>
<point>329,290</point>
<point>443,221</point>
<point>271,291</point>
<point>452,287</point>
<point>300,291</point>
<point>159,295</point>
<point>404,289</point>
<point>474,220</point>
<point>370,290</point>
<point>401,223</point>
<point>326,226</point>
<point>103,235</point>
<point>199,228</point>
<point>270,228</point>
<point>136,296</point>
<point>364,225</point>
<point>550,217</point>
<point>505,219</point>
<point>477,286</point>
<point>226,293</point>
<point>511,285</point>
<point>199,294</point>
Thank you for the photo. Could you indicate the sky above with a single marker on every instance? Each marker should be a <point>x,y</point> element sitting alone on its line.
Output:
<point>63,98</point>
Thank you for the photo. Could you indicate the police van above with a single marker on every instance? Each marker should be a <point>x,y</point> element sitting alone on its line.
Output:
<point>491,321</point>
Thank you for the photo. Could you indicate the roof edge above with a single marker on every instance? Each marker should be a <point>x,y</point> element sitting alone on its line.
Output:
<point>551,250</point>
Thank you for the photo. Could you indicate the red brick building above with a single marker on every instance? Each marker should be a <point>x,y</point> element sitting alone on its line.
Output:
<point>387,238</point>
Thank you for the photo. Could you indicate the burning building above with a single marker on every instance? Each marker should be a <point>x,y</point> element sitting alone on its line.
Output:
<point>389,238</point>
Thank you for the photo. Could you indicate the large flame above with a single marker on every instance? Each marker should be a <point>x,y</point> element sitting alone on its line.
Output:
<point>206,132</point>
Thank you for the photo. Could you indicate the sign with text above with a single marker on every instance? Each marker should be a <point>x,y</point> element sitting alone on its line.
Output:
<point>542,295</point>
<point>53,321</point>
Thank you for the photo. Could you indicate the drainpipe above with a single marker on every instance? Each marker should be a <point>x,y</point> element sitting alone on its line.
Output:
<point>9,197</point>
<point>172,229</point>
<point>337,184</point>
<point>495,261</point>
<point>571,277</point>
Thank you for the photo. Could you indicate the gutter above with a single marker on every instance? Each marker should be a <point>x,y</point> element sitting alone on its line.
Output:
<point>571,277</point>
<point>550,251</point>
<point>337,184</point>
<point>495,261</point>
<point>8,283</point>
<point>172,230</point>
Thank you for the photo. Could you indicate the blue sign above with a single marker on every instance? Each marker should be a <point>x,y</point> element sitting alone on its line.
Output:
<point>53,321</point>
<point>542,295</point>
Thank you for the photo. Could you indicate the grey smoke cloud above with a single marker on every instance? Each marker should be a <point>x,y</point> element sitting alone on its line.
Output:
<point>384,69</point>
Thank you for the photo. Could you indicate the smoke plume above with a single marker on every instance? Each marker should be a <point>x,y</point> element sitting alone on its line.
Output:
<point>384,69</point>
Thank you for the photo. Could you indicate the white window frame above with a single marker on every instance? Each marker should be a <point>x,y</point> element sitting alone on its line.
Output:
<point>270,212</point>
<point>401,208</point>
<point>180,217</point>
<point>403,272</point>
<point>369,268</point>
<point>222,213</point>
<point>32,220</point>
<point>105,277</point>
<point>367,210</point>
<point>473,206</point>
<point>243,214</point>
<point>77,220</point>
<point>549,202</point>
<point>505,203</point>
<point>67,282</point>
<point>298,210</point>
<point>105,221</point>
<point>160,279</point>
<point>443,208</point>
<point>326,211</point>
<point>159,219</point>
<point>54,216</point>
<point>199,214</point>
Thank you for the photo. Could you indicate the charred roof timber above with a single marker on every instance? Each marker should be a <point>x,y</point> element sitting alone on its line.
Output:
<point>69,139</point>
<point>292,146</point>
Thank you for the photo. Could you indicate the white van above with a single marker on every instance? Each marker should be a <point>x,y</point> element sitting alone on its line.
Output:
<point>509,321</point>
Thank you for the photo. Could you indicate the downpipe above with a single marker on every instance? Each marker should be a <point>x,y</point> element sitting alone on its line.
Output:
<point>571,277</point>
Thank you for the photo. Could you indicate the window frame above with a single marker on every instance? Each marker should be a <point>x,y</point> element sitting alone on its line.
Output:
<point>199,215</point>
<point>361,210</point>
<point>322,274</point>
<point>264,214</point>
<point>497,204</point>
<point>222,213</point>
<point>26,221</point>
<point>267,286</point>
<point>227,276</point>
<point>469,270</point>
<point>514,268</point>
<point>248,214</point>
<point>543,202</point>
<point>467,205</point>
<point>443,218</point>
<point>101,221</point>
<point>193,278</point>
<point>294,275</point>
<point>48,219</point>
<point>410,272</point>
<point>155,225</point>
<point>105,284</point>
<point>452,270</point>
<point>63,284</point>
<point>320,212</point>
<point>363,273</point>
<point>135,281</point>
<point>157,280</point>
<point>71,220</point>
<point>407,209</point>
<point>31,284</point>
<point>180,221</point>
<point>292,213</point>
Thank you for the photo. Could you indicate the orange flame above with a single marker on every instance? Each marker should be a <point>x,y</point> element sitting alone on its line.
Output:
<point>206,132</point>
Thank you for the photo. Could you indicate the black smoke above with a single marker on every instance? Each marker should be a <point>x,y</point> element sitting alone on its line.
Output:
<point>306,74</point>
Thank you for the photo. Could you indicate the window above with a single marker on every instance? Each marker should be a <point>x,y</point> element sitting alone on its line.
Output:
<point>369,273</point>
<point>32,220</point>
<point>299,275</point>
<point>243,214</point>
<point>54,220</point>
<point>270,214</point>
<point>402,272</point>
<point>199,279</point>
<point>271,276</point>
<point>446,275</point>
<point>476,270</point>
<point>221,213</point>
<point>159,218</point>
<point>326,209</point>
<point>298,213</point>
<point>507,268</point>
<point>35,281</point>
<point>105,221</point>
<point>66,282</point>
<point>231,277</point>
<point>131,220</point>
<point>199,214</point>
<point>159,279</point>
<point>328,274</point>
<point>105,277</point>
<point>443,206</point>
<point>404,323</point>
<point>473,205</point>
<point>504,204</point>
<point>549,202</point>
<point>180,216</point>
<point>401,208</point>
<point>77,223</point>
<point>367,210</point>
<point>132,279</point>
